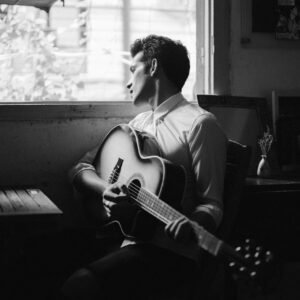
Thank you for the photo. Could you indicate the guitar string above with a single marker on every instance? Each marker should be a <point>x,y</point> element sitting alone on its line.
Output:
<point>145,196</point>
<point>202,236</point>
<point>158,203</point>
<point>151,211</point>
<point>162,207</point>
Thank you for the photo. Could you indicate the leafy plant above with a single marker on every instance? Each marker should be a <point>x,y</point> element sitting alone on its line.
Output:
<point>31,68</point>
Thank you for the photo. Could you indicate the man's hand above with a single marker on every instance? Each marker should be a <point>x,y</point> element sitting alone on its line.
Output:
<point>181,230</point>
<point>116,199</point>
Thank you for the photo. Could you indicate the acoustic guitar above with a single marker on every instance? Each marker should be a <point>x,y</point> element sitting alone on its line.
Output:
<point>152,183</point>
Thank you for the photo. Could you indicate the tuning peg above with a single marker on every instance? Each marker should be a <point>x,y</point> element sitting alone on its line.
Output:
<point>232,264</point>
<point>257,262</point>
<point>247,256</point>
<point>238,248</point>
<point>258,248</point>
<point>242,269</point>
<point>253,274</point>
<point>268,256</point>
<point>256,254</point>
<point>250,242</point>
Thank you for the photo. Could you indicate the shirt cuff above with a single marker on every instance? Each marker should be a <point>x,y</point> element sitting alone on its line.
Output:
<point>78,169</point>
<point>214,210</point>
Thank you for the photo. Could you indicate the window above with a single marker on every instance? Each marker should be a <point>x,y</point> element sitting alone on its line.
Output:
<point>79,52</point>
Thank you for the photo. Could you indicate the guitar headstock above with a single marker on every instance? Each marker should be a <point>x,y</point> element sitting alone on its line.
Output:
<point>255,265</point>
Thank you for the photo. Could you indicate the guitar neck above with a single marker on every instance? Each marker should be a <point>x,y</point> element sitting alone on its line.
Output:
<point>153,205</point>
<point>166,214</point>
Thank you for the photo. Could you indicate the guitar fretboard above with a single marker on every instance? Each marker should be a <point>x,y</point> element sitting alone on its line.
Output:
<point>152,204</point>
<point>165,213</point>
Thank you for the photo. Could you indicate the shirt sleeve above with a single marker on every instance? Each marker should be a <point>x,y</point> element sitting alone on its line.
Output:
<point>85,163</point>
<point>208,146</point>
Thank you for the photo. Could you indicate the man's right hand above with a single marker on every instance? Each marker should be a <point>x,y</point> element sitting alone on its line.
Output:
<point>116,200</point>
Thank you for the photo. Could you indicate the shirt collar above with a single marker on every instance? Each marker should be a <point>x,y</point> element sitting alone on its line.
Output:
<point>168,105</point>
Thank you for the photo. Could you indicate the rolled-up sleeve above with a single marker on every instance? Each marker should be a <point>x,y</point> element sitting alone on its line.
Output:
<point>208,146</point>
<point>85,163</point>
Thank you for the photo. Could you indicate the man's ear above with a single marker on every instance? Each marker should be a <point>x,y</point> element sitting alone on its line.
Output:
<point>154,67</point>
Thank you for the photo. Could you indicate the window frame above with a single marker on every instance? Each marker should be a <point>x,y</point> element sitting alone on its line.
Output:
<point>34,111</point>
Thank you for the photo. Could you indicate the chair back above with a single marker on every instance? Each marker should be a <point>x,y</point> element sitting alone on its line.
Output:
<point>237,164</point>
<point>212,270</point>
<point>207,283</point>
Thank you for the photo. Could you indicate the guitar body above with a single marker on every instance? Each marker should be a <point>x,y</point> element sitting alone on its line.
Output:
<point>120,159</point>
<point>156,186</point>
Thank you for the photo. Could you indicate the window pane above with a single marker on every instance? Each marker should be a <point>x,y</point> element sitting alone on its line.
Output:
<point>177,22</point>
<point>80,51</point>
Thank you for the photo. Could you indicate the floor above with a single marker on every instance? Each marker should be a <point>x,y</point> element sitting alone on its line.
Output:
<point>35,267</point>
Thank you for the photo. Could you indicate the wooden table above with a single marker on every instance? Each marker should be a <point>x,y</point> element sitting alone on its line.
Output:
<point>256,184</point>
<point>20,202</point>
<point>27,216</point>
<point>269,212</point>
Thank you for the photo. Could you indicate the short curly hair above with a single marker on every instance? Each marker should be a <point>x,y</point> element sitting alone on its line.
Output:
<point>171,55</point>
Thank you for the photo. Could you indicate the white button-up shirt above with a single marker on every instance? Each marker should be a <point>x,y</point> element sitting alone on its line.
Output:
<point>190,136</point>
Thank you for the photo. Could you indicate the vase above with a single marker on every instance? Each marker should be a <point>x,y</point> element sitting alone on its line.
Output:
<point>263,168</point>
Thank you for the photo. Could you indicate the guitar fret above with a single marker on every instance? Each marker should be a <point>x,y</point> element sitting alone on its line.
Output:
<point>158,206</point>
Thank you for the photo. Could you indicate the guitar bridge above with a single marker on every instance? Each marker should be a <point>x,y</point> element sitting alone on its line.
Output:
<point>114,176</point>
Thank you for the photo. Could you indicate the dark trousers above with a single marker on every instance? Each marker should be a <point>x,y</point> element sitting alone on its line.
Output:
<point>140,271</point>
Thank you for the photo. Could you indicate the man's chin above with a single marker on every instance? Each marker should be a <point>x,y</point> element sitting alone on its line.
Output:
<point>139,102</point>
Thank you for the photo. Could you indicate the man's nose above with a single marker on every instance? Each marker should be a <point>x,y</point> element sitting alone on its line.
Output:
<point>129,84</point>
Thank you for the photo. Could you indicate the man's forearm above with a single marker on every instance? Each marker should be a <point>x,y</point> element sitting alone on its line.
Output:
<point>88,182</point>
<point>91,187</point>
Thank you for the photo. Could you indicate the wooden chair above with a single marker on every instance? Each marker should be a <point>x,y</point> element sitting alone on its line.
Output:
<point>238,159</point>
<point>210,281</point>
<point>211,278</point>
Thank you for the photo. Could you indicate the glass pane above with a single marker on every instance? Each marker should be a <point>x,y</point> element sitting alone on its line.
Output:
<point>176,24</point>
<point>80,51</point>
<point>24,54</point>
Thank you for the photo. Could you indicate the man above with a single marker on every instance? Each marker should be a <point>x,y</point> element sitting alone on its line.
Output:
<point>187,135</point>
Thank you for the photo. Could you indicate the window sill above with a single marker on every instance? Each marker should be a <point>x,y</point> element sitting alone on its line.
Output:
<point>67,110</point>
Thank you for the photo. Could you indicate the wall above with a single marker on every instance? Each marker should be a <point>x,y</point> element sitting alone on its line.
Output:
<point>39,144</point>
<point>262,65</point>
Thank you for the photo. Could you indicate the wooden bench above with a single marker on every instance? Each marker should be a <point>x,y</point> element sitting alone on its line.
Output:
<point>16,202</point>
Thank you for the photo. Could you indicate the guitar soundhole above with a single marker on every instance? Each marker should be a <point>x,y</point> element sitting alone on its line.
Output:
<point>134,188</point>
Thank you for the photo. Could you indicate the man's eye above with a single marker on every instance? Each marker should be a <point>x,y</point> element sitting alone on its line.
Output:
<point>132,69</point>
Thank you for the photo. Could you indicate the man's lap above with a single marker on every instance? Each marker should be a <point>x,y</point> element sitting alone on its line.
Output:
<point>134,270</point>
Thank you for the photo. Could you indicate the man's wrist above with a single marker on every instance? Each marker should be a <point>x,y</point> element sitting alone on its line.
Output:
<point>205,219</point>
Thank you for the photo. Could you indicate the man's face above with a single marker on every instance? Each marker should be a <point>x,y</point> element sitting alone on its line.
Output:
<point>141,84</point>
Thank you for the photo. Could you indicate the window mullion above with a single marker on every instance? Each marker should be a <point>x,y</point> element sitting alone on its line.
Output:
<point>205,47</point>
<point>126,37</point>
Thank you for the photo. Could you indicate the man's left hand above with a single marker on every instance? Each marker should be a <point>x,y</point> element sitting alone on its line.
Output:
<point>181,230</point>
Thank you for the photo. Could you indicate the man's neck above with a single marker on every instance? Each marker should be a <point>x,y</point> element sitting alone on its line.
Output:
<point>162,95</point>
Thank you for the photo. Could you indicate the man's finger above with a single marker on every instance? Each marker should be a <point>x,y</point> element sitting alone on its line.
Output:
<point>108,204</point>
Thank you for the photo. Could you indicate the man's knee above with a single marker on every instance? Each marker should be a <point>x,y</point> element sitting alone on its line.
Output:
<point>81,285</point>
